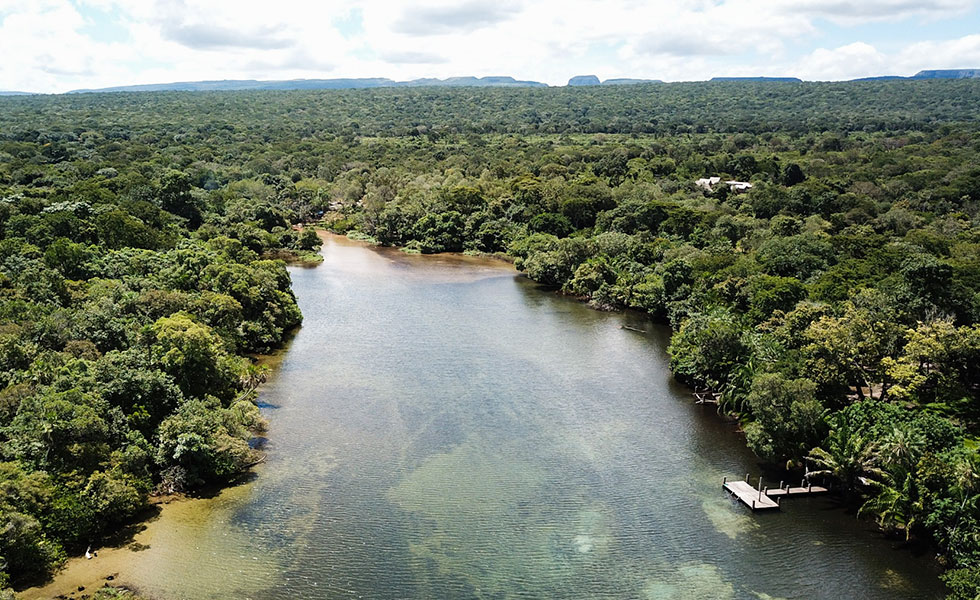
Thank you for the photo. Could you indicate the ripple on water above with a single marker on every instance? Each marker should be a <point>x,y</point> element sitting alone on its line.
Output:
<point>692,581</point>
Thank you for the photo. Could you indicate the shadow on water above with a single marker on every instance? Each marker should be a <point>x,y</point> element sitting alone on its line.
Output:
<point>216,489</point>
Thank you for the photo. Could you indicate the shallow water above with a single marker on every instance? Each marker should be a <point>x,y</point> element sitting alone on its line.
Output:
<point>441,428</point>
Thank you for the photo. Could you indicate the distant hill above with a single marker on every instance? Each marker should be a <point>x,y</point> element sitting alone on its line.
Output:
<point>314,84</point>
<point>930,74</point>
<point>584,80</point>
<point>10,93</point>
<point>776,79</point>
<point>948,74</point>
<point>580,80</point>
<point>495,81</point>
<point>880,78</point>
<point>627,81</point>
<point>243,84</point>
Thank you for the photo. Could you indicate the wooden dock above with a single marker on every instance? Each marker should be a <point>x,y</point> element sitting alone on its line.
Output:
<point>763,498</point>
<point>809,490</point>
<point>749,496</point>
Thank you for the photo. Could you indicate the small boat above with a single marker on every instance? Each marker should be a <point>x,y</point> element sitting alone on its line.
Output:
<point>88,553</point>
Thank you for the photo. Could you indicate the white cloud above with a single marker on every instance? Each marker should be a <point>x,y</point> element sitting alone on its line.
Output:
<point>452,17</point>
<point>414,58</point>
<point>49,44</point>
<point>846,62</point>
<point>959,53</point>
<point>43,47</point>
<point>862,60</point>
<point>850,12</point>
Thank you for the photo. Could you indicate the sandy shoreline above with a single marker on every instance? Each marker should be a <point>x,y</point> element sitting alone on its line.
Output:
<point>80,576</point>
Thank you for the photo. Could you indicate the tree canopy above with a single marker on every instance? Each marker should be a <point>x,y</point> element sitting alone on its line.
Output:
<point>833,308</point>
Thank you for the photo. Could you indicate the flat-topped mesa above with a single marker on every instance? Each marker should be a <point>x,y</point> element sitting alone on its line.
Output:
<point>629,81</point>
<point>947,74</point>
<point>582,80</point>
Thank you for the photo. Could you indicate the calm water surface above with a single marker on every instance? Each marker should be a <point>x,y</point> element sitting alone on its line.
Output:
<point>441,428</point>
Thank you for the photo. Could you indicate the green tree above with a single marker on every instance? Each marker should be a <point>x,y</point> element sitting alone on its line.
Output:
<point>708,348</point>
<point>193,356</point>
<point>787,417</point>
<point>204,442</point>
<point>792,174</point>
<point>176,197</point>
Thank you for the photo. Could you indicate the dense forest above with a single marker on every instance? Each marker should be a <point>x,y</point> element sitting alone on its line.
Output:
<point>832,309</point>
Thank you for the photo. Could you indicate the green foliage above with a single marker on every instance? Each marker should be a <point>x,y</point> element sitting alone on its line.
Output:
<point>193,356</point>
<point>204,442</point>
<point>767,294</point>
<point>846,455</point>
<point>787,417</point>
<point>552,223</point>
<point>833,307</point>
<point>441,232</point>
<point>708,347</point>
<point>792,174</point>
<point>798,256</point>
<point>127,293</point>
<point>963,584</point>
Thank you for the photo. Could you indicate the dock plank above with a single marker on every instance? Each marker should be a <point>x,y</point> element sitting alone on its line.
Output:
<point>797,491</point>
<point>750,496</point>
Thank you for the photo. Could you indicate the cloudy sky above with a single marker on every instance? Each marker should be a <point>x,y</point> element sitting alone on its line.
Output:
<point>58,45</point>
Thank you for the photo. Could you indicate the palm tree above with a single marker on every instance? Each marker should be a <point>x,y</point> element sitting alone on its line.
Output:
<point>736,390</point>
<point>961,536</point>
<point>901,449</point>
<point>847,457</point>
<point>899,502</point>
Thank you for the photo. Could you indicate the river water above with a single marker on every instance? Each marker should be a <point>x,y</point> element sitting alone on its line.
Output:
<point>442,428</point>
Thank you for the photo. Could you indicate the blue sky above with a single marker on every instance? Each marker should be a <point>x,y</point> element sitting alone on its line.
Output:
<point>58,45</point>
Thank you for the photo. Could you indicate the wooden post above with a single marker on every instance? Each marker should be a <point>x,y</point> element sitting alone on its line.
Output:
<point>753,505</point>
<point>724,480</point>
<point>780,484</point>
<point>809,488</point>
<point>746,478</point>
<point>760,483</point>
<point>765,491</point>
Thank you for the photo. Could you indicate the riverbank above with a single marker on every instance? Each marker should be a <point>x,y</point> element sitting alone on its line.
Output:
<point>174,520</point>
<point>168,522</point>
<point>173,525</point>
<point>504,261</point>
<point>464,434</point>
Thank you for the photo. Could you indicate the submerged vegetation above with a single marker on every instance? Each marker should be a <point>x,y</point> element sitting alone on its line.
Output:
<point>833,308</point>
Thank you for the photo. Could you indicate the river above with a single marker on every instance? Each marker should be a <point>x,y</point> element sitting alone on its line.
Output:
<point>440,427</point>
